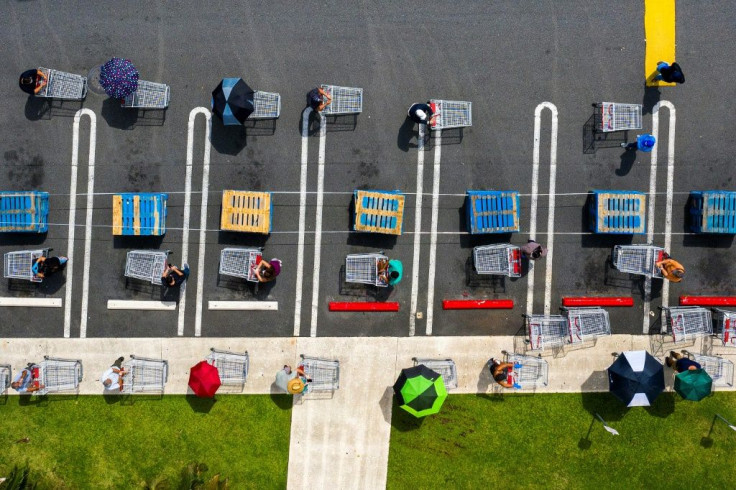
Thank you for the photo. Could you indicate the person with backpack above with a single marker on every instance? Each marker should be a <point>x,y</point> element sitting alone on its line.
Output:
<point>669,73</point>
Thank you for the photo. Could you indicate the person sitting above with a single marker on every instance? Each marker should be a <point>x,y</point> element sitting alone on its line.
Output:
<point>267,271</point>
<point>173,276</point>
<point>45,266</point>
<point>680,363</point>
<point>671,269</point>
<point>32,81</point>
<point>422,113</point>
<point>500,372</point>
<point>319,98</point>
<point>26,381</point>
<point>112,379</point>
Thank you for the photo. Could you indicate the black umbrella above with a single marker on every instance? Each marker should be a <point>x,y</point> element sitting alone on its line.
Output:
<point>636,378</point>
<point>232,100</point>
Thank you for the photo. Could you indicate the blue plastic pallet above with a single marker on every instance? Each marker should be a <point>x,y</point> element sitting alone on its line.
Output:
<point>713,211</point>
<point>141,214</point>
<point>618,212</point>
<point>492,211</point>
<point>24,212</point>
<point>379,211</point>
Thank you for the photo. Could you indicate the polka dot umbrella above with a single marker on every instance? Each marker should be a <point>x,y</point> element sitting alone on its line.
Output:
<point>119,78</point>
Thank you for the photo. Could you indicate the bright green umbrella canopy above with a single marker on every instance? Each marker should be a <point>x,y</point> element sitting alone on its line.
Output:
<point>693,384</point>
<point>420,391</point>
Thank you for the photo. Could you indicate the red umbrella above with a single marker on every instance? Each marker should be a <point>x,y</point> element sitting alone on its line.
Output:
<point>204,379</point>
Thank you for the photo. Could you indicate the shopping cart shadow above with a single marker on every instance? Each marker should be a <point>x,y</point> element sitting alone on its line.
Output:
<point>594,140</point>
<point>492,283</point>
<point>342,122</point>
<point>40,108</point>
<point>444,137</point>
<point>361,290</point>
<point>128,399</point>
<point>260,127</point>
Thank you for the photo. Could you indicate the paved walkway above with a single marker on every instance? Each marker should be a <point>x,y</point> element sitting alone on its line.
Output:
<point>342,441</point>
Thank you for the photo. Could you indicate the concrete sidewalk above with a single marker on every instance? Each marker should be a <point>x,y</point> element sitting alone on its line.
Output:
<point>343,440</point>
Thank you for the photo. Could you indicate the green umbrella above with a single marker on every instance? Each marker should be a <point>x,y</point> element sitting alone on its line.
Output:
<point>693,384</point>
<point>420,391</point>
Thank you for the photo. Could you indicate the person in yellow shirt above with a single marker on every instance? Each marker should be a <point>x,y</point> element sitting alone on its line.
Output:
<point>671,269</point>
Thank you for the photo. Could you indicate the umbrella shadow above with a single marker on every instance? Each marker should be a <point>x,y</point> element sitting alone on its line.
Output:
<point>116,116</point>
<point>228,140</point>
<point>280,399</point>
<point>601,402</point>
<point>402,420</point>
<point>200,405</point>
<point>386,403</point>
<point>663,406</point>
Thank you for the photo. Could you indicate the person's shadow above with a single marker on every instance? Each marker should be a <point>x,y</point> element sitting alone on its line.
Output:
<point>407,132</point>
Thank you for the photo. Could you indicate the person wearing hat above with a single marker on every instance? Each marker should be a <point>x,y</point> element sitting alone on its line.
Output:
<point>644,142</point>
<point>32,81</point>
<point>296,381</point>
<point>422,113</point>
<point>533,250</point>
<point>267,271</point>
<point>671,269</point>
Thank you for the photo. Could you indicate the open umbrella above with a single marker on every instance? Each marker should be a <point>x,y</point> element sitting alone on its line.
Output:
<point>119,78</point>
<point>204,379</point>
<point>636,378</point>
<point>420,391</point>
<point>232,101</point>
<point>693,384</point>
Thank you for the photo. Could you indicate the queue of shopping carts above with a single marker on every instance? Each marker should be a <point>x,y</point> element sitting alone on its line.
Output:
<point>573,326</point>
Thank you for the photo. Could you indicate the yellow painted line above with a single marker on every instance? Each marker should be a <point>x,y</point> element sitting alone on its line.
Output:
<point>659,28</point>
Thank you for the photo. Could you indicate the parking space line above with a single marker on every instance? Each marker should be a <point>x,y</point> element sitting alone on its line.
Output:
<point>203,225</point>
<point>433,236</point>
<point>123,304</point>
<point>31,302</point>
<point>551,214</point>
<point>243,305</point>
<point>318,224</point>
<point>302,221</point>
<point>417,230</point>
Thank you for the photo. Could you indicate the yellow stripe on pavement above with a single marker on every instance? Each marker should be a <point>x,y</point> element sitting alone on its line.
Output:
<point>659,27</point>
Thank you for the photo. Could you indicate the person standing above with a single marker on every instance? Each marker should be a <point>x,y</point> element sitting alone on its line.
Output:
<point>112,379</point>
<point>500,372</point>
<point>319,98</point>
<point>267,271</point>
<point>422,113</point>
<point>173,276</point>
<point>533,250</point>
<point>644,142</point>
<point>671,269</point>
<point>669,73</point>
<point>32,81</point>
<point>45,266</point>
<point>24,381</point>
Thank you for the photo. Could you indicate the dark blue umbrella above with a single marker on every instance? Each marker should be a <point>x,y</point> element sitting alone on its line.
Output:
<point>119,78</point>
<point>232,100</point>
<point>636,378</point>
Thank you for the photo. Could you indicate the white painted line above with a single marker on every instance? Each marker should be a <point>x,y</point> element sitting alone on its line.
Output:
<point>302,222</point>
<point>670,190</point>
<point>72,224</point>
<point>32,302</point>
<point>203,225</point>
<point>123,304</point>
<point>433,235</point>
<point>318,224</point>
<point>417,230</point>
<point>243,305</point>
<point>551,214</point>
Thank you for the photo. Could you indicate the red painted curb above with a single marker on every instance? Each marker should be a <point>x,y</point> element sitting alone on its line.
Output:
<point>707,300</point>
<point>363,306</point>
<point>593,301</point>
<point>477,304</point>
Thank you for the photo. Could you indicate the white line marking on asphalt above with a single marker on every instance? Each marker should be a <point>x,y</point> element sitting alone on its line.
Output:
<point>243,305</point>
<point>302,222</point>
<point>72,224</point>
<point>417,230</point>
<point>32,302</point>
<point>318,224</point>
<point>551,214</point>
<point>433,236</point>
<point>124,304</point>
<point>203,224</point>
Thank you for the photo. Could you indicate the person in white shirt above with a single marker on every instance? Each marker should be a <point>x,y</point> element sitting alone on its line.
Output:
<point>112,379</point>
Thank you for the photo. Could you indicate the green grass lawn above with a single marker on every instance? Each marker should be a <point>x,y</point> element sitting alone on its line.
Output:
<point>108,442</point>
<point>551,441</point>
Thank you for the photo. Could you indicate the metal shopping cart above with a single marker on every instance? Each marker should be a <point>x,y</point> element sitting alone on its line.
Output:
<point>364,269</point>
<point>63,85</point>
<point>586,323</point>
<point>146,265</point>
<point>451,114</point>
<point>446,367</point>
<point>148,95</point>
<point>638,259</point>
<point>143,374</point>
<point>239,262</point>
<point>612,116</point>
<point>719,369</point>
<point>57,375</point>
<point>726,326</point>
<point>503,260</point>
<point>324,373</point>
<point>231,366</point>
<point>687,322</point>
<point>18,265</point>
<point>546,331</point>
<point>345,100</point>
<point>266,105</point>
<point>6,374</point>
<point>533,371</point>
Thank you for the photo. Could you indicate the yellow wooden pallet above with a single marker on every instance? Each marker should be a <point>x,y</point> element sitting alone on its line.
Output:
<point>379,212</point>
<point>246,211</point>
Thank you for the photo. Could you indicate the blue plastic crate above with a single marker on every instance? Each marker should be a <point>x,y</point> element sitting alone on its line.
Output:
<point>139,214</point>
<point>618,212</point>
<point>24,212</point>
<point>713,212</point>
<point>492,211</point>
<point>379,211</point>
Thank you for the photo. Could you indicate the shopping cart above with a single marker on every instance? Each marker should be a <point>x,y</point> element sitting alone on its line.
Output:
<point>451,114</point>
<point>18,265</point>
<point>146,265</point>
<point>533,371</point>
<point>324,373</point>
<point>586,323</point>
<point>231,366</point>
<point>638,259</point>
<point>63,85</point>
<point>6,374</point>
<point>726,326</point>
<point>143,374</point>
<point>687,322</point>
<point>719,369</point>
<point>345,100</point>
<point>363,269</point>
<point>502,260</point>
<point>57,375</point>
<point>446,367</point>
<point>266,105</point>
<point>240,262</point>
<point>148,95</point>
<point>546,331</point>
<point>612,116</point>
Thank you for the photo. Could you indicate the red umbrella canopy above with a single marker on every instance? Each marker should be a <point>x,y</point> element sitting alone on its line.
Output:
<point>204,379</point>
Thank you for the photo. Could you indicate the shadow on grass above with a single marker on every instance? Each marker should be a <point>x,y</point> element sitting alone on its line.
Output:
<point>200,405</point>
<point>111,399</point>
<point>282,400</point>
<point>403,421</point>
